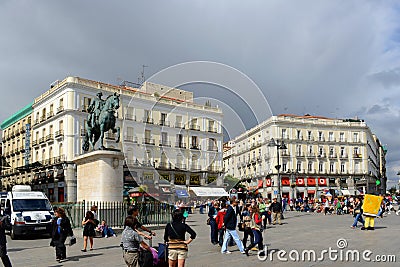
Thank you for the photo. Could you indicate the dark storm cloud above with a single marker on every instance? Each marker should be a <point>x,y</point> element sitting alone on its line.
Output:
<point>312,57</point>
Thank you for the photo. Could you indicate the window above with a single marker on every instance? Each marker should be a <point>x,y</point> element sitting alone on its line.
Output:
<point>321,167</point>
<point>299,166</point>
<point>320,136</point>
<point>355,137</point>
<point>309,135</point>
<point>284,167</point>
<point>320,150</point>
<point>342,151</point>
<point>341,137</point>
<point>284,134</point>
<point>299,134</point>
<point>310,150</point>
<point>310,166</point>
<point>330,136</point>
<point>332,167</point>
<point>342,168</point>
<point>356,152</point>
<point>298,150</point>
<point>331,151</point>
<point>163,119</point>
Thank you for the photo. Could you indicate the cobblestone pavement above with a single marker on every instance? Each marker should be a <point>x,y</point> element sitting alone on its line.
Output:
<point>302,232</point>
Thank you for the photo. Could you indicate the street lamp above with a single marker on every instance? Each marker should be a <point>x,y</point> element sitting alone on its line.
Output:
<point>279,145</point>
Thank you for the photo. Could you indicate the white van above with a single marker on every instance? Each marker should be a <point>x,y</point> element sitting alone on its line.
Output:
<point>30,211</point>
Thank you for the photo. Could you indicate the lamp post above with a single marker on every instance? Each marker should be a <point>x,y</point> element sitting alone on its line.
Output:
<point>279,145</point>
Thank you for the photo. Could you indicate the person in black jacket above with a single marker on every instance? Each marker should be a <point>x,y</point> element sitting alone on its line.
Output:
<point>5,224</point>
<point>61,229</point>
<point>174,236</point>
<point>230,223</point>
<point>212,214</point>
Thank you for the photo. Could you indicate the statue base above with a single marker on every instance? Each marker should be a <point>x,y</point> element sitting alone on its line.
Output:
<point>100,176</point>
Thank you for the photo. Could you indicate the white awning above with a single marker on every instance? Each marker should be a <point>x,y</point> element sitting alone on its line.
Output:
<point>346,192</point>
<point>209,192</point>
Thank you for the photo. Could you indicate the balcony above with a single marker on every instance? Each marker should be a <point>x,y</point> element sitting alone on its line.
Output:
<point>60,109</point>
<point>195,167</point>
<point>148,141</point>
<point>195,146</point>
<point>179,125</point>
<point>164,123</point>
<point>130,117</point>
<point>321,155</point>
<point>132,163</point>
<point>109,136</point>
<point>50,114</point>
<point>164,143</point>
<point>285,154</point>
<point>343,156</point>
<point>84,108</point>
<point>300,154</point>
<point>212,129</point>
<point>49,138</point>
<point>180,166</point>
<point>35,143</point>
<point>42,140</point>
<point>128,138</point>
<point>332,156</point>
<point>43,118</point>
<point>165,165</point>
<point>148,120</point>
<point>180,145</point>
<point>213,148</point>
<point>194,127</point>
<point>357,156</point>
<point>59,134</point>
<point>22,129</point>
<point>59,159</point>
<point>22,148</point>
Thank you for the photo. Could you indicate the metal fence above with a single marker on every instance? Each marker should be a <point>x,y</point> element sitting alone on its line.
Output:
<point>114,213</point>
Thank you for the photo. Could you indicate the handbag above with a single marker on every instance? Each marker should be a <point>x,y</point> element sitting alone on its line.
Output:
<point>71,240</point>
<point>208,221</point>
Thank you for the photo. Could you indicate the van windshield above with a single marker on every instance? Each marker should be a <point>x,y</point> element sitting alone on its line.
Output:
<point>31,205</point>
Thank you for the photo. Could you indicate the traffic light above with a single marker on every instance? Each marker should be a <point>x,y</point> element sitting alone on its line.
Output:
<point>378,182</point>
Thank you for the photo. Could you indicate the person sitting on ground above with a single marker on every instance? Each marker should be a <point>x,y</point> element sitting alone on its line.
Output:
<point>105,230</point>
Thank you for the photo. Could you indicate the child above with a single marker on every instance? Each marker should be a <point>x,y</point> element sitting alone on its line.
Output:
<point>105,230</point>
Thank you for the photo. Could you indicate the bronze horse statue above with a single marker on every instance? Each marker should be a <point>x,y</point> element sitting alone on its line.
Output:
<point>105,122</point>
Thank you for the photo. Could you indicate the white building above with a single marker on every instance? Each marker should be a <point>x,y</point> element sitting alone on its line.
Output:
<point>166,137</point>
<point>340,155</point>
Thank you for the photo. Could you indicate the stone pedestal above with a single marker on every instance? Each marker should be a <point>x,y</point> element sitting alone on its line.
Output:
<point>100,176</point>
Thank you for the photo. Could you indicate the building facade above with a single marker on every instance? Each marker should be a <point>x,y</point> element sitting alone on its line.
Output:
<point>168,140</point>
<point>319,154</point>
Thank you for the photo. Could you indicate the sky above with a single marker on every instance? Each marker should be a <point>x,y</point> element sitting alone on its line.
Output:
<point>337,59</point>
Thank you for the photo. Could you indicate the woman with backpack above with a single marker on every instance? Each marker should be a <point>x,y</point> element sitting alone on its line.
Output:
<point>255,225</point>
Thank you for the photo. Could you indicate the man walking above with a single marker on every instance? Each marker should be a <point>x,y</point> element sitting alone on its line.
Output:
<point>276,209</point>
<point>230,222</point>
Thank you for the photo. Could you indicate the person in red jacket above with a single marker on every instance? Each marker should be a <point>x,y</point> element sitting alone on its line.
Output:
<point>255,225</point>
<point>220,223</point>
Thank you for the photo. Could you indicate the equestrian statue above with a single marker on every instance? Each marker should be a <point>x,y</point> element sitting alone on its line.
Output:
<point>101,118</point>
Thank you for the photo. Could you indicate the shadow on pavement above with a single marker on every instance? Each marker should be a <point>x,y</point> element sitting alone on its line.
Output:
<point>20,249</point>
<point>83,256</point>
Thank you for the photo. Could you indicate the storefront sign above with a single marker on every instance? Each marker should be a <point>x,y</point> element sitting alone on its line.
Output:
<point>194,180</point>
<point>180,179</point>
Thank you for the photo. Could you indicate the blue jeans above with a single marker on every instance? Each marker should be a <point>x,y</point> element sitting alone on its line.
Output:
<point>235,236</point>
<point>108,231</point>
<point>358,218</point>
<point>214,231</point>
<point>258,240</point>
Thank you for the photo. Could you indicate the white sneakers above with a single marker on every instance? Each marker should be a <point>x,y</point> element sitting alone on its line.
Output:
<point>226,252</point>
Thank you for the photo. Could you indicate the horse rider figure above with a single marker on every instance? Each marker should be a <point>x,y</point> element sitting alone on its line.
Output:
<point>95,108</point>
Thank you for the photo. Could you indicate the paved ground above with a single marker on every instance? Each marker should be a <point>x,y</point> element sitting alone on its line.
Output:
<point>300,231</point>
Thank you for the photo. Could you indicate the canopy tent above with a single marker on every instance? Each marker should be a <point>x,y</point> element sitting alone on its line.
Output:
<point>209,192</point>
<point>346,192</point>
